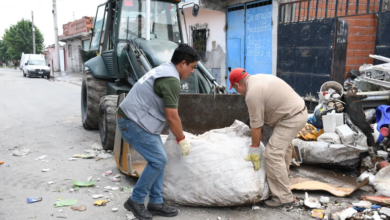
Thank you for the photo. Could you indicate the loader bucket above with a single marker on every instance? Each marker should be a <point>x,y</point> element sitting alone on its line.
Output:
<point>199,113</point>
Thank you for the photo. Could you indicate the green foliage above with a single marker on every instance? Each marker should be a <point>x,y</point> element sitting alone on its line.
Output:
<point>3,50</point>
<point>18,39</point>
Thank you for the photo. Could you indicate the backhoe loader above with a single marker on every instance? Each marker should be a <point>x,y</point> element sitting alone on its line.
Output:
<point>129,38</point>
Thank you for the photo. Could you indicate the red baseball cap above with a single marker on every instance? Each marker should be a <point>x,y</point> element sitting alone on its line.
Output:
<point>236,75</point>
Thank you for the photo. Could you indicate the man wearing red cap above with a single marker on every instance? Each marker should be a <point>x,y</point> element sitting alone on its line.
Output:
<point>271,101</point>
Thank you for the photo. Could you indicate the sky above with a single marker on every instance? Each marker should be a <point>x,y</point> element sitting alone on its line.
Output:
<point>67,10</point>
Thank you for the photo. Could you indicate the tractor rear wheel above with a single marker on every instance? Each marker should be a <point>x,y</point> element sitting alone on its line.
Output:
<point>92,90</point>
<point>107,121</point>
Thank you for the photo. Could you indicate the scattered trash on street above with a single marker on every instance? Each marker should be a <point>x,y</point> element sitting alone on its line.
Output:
<point>114,179</point>
<point>97,146</point>
<point>318,213</point>
<point>311,202</point>
<point>84,156</point>
<point>50,182</point>
<point>100,203</point>
<point>65,202</point>
<point>255,207</point>
<point>108,172</point>
<point>79,208</point>
<point>114,209</point>
<point>385,211</point>
<point>84,184</point>
<point>104,156</point>
<point>97,196</point>
<point>1,162</point>
<point>324,199</point>
<point>72,159</point>
<point>59,190</point>
<point>127,188</point>
<point>34,199</point>
<point>41,157</point>
<point>130,216</point>
<point>21,153</point>
<point>363,204</point>
<point>45,170</point>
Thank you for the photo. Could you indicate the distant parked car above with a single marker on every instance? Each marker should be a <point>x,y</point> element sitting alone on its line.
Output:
<point>33,68</point>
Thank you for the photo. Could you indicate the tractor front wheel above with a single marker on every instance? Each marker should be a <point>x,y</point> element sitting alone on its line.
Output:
<point>92,90</point>
<point>107,121</point>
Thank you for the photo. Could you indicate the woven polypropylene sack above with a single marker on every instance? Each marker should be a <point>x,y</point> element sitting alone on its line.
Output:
<point>215,172</point>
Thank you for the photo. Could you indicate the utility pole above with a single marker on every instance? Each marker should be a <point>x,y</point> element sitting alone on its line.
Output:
<point>33,31</point>
<point>57,53</point>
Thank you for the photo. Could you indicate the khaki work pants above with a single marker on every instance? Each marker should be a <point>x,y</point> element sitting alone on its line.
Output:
<point>278,154</point>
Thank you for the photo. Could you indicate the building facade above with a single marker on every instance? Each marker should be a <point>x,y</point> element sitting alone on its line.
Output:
<point>232,34</point>
<point>77,34</point>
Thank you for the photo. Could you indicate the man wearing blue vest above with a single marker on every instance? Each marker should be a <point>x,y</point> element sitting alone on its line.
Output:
<point>150,106</point>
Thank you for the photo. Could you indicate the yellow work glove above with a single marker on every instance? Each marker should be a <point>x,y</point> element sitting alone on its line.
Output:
<point>185,146</point>
<point>254,156</point>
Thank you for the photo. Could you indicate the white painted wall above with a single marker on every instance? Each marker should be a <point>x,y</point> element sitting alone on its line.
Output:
<point>216,21</point>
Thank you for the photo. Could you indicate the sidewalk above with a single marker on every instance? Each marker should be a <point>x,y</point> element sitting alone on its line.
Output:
<point>70,77</point>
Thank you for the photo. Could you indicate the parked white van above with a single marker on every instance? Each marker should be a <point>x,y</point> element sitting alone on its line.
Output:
<point>35,66</point>
<point>27,57</point>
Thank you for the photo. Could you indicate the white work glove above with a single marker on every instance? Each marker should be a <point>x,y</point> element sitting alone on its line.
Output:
<point>185,146</point>
<point>254,156</point>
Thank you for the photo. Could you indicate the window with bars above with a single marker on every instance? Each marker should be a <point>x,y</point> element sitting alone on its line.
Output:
<point>199,39</point>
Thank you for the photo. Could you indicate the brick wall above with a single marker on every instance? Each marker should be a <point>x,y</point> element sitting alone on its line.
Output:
<point>361,40</point>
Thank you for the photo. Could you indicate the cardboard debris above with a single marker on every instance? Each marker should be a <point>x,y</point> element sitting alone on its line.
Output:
<point>377,200</point>
<point>306,184</point>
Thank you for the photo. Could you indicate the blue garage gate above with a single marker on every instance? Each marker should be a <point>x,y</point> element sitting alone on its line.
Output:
<point>249,38</point>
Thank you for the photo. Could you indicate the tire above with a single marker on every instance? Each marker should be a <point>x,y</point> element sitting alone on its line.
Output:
<point>107,121</point>
<point>24,75</point>
<point>43,76</point>
<point>28,74</point>
<point>92,90</point>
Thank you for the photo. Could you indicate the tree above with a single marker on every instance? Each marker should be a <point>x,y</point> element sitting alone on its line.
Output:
<point>3,50</point>
<point>18,39</point>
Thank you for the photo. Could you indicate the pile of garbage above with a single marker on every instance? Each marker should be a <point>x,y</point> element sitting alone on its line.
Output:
<point>330,137</point>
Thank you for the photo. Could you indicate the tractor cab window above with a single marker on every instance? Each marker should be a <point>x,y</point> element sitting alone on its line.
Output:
<point>98,28</point>
<point>163,20</point>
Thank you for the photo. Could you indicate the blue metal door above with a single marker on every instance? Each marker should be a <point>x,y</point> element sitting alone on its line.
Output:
<point>258,31</point>
<point>235,39</point>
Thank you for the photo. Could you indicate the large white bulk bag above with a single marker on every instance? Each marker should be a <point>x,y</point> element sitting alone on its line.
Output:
<point>215,172</point>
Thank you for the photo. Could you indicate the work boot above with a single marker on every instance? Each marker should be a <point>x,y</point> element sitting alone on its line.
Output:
<point>162,210</point>
<point>138,210</point>
<point>273,204</point>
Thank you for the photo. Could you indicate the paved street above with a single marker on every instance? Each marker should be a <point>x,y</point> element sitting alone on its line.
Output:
<point>44,116</point>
